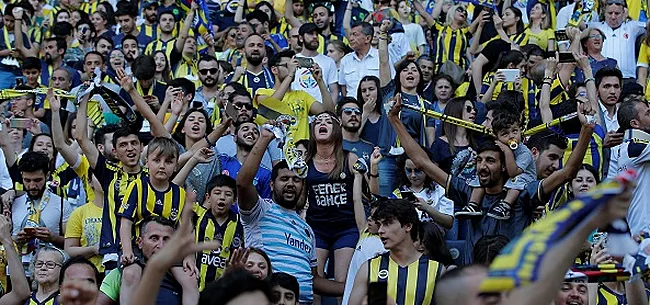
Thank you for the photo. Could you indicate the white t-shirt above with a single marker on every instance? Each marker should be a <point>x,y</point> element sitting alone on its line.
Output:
<point>435,198</point>
<point>415,35</point>
<point>620,44</point>
<point>636,155</point>
<point>306,82</point>
<point>366,249</point>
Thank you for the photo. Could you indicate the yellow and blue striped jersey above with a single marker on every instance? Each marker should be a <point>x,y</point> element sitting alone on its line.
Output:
<point>607,296</point>
<point>212,263</point>
<point>53,299</point>
<point>410,285</point>
<point>450,44</point>
<point>159,45</point>
<point>142,200</point>
<point>114,181</point>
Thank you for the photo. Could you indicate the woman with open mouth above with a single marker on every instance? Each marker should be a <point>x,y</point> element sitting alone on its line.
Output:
<point>407,85</point>
<point>329,184</point>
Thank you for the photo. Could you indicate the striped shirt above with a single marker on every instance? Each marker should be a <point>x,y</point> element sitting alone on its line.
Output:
<point>286,238</point>
<point>114,181</point>
<point>142,200</point>
<point>212,263</point>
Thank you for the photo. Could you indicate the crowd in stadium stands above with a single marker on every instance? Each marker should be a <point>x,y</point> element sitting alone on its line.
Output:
<point>323,151</point>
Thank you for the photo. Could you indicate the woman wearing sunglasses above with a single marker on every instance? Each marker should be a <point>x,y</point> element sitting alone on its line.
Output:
<point>227,43</point>
<point>428,197</point>
<point>330,194</point>
<point>451,38</point>
<point>455,141</point>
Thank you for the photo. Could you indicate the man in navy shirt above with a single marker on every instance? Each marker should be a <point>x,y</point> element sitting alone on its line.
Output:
<point>349,112</point>
<point>126,16</point>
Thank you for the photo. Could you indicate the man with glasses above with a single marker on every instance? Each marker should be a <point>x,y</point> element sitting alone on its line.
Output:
<point>349,112</point>
<point>620,37</point>
<point>211,76</point>
<point>39,216</point>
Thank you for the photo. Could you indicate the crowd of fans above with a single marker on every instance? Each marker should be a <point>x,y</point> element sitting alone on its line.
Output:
<point>285,152</point>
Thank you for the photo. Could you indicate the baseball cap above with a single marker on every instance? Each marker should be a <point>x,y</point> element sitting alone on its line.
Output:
<point>572,276</point>
<point>307,28</point>
<point>150,3</point>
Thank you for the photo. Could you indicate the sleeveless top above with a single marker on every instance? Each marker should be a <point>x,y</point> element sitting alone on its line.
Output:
<point>330,200</point>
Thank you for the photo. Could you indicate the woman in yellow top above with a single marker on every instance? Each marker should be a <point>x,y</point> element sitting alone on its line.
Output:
<point>539,28</point>
<point>451,39</point>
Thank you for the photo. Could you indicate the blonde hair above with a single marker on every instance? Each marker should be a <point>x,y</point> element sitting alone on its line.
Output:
<point>452,11</point>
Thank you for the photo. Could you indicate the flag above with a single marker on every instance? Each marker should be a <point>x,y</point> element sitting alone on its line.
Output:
<point>201,21</point>
<point>520,262</point>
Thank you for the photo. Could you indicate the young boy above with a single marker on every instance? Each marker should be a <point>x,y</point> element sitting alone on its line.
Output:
<point>147,196</point>
<point>519,164</point>
<point>217,221</point>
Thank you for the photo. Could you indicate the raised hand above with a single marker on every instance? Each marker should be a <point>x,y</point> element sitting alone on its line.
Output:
<point>126,81</point>
<point>204,155</point>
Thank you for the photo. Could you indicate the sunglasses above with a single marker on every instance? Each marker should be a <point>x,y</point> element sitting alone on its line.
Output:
<point>233,35</point>
<point>461,10</point>
<point>410,171</point>
<point>595,36</point>
<point>239,106</point>
<point>211,70</point>
<point>469,109</point>
<point>350,111</point>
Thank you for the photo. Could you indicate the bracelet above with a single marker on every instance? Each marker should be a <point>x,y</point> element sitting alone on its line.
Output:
<point>548,78</point>
<point>210,144</point>
<point>373,176</point>
<point>547,83</point>
<point>590,79</point>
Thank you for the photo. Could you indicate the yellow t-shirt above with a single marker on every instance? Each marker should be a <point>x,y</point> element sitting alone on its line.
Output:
<point>86,223</point>
<point>541,38</point>
<point>295,103</point>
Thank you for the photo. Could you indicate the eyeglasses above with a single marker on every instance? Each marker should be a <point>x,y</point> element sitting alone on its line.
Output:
<point>410,171</point>
<point>233,35</point>
<point>239,106</point>
<point>595,36</point>
<point>619,2</point>
<point>582,93</point>
<point>211,70</point>
<point>49,264</point>
<point>350,111</point>
<point>469,109</point>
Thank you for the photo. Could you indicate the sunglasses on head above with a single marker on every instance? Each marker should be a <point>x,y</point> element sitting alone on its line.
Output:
<point>239,106</point>
<point>350,111</point>
<point>211,70</point>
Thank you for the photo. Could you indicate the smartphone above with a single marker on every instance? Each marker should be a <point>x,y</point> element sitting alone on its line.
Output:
<point>561,35</point>
<point>598,236</point>
<point>21,123</point>
<point>566,57</point>
<point>19,81</point>
<point>305,62</point>
<point>377,292</point>
<point>197,104</point>
<point>408,195</point>
<point>30,230</point>
<point>510,74</point>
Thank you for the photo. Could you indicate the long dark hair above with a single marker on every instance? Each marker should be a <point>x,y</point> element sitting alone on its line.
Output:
<point>432,238</point>
<point>509,57</point>
<point>446,77</point>
<point>167,72</point>
<point>55,152</point>
<point>273,19</point>
<point>520,24</point>
<point>401,67</point>
<point>110,13</point>
<point>179,135</point>
<point>455,108</point>
<point>375,79</point>
<point>403,178</point>
<point>337,138</point>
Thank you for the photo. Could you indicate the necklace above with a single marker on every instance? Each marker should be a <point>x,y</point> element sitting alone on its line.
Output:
<point>326,160</point>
